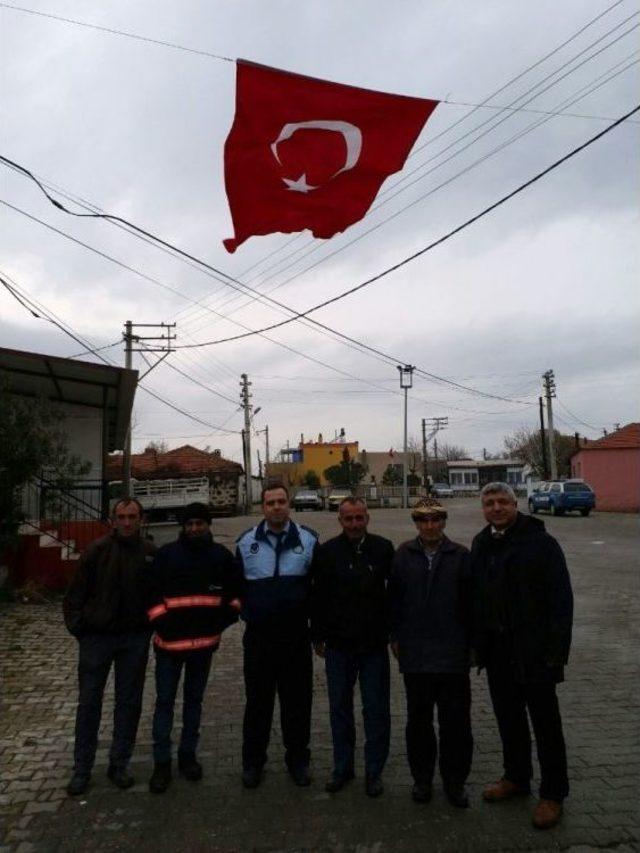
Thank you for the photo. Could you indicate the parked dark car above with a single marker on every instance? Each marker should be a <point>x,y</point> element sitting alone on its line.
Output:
<point>560,496</point>
<point>307,499</point>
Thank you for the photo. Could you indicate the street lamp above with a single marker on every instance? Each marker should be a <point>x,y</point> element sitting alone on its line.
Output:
<point>406,382</point>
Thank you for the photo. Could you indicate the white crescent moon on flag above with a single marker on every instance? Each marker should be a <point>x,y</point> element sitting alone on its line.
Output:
<point>352,137</point>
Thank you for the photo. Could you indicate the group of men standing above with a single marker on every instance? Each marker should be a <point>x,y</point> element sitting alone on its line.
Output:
<point>506,605</point>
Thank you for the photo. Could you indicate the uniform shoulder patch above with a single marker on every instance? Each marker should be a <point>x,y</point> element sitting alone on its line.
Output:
<point>245,533</point>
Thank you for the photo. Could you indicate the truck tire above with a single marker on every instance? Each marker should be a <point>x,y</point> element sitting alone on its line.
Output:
<point>585,511</point>
<point>533,509</point>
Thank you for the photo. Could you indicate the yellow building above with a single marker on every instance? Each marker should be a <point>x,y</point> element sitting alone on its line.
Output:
<point>318,456</point>
<point>314,456</point>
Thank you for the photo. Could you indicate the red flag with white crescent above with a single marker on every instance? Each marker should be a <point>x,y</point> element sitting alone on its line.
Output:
<point>308,153</point>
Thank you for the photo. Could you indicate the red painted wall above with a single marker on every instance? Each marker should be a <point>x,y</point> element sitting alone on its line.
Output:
<point>614,475</point>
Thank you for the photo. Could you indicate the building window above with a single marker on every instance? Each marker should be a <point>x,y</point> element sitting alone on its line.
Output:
<point>456,478</point>
<point>471,478</point>
<point>514,478</point>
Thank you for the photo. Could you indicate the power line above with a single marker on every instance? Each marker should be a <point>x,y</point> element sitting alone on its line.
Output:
<point>472,220</point>
<point>384,273</point>
<point>31,306</point>
<point>575,417</point>
<point>114,32</point>
<point>316,247</point>
<point>603,79</point>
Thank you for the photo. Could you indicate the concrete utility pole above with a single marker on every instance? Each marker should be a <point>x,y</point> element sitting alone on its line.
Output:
<point>550,391</point>
<point>164,347</point>
<point>266,448</point>
<point>436,424</point>
<point>245,398</point>
<point>543,442</point>
<point>425,468</point>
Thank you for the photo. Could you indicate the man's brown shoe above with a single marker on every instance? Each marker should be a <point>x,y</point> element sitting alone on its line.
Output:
<point>547,814</point>
<point>503,789</point>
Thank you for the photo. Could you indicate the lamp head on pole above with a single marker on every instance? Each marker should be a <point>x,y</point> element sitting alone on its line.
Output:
<point>406,375</point>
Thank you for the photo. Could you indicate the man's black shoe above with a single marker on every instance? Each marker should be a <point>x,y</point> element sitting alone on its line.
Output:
<point>251,777</point>
<point>78,784</point>
<point>337,782</point>
<point>373,786</point>
<point>421,793</point>
<point>189,767</point>
<point>161,777</point>
<point>457,796</point>
<point>120,777</point>
<point>300,775</point>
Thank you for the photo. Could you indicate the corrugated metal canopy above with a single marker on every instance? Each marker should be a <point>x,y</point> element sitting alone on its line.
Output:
<point>82,383</point>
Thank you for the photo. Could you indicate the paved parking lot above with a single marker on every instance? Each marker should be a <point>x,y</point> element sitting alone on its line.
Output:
<point>599,701</point>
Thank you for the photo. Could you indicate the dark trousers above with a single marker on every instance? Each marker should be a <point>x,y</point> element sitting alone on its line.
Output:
<point>511,701</point>
<point>371,669</point>
<point>197,665</point>
<point>128,652</point>
<point>271,664</point>
<point>451,694</point>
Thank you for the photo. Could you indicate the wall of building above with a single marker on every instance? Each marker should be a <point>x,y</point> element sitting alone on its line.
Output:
<point>377,463</point>
<point>613,474</point>
<point>318,457</point>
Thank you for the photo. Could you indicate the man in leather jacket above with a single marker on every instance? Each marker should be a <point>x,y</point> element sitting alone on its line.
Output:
<point>104,609</point>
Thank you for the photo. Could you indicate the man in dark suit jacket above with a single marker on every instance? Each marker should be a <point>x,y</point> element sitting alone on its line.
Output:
<point>523,618</point>
<point>430,636</point>
<point>350,631</point>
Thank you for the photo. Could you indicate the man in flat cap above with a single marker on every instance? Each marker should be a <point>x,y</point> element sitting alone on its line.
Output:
<point>193,588</point>
<point>430,636</point>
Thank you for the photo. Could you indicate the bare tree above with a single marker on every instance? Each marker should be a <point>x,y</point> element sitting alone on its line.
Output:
<point>526,444</point>
<point>452,451</point>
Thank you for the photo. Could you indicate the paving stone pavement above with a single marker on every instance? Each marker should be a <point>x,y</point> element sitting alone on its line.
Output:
<point>600,711</point>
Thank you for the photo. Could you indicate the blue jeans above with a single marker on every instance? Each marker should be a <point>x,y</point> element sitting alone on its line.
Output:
<point>168,670</point>
<point>371,669</point>
<point>128,652</point>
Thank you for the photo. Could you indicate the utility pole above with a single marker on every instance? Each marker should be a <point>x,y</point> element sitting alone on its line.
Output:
<point>425,467</point>
<point>245,398</point>
<point>406,382</point>
<point>543,442</point>
<point>160,343</point>
<point>436,425</point>
<point>266,448</point>
<point>550,391</point>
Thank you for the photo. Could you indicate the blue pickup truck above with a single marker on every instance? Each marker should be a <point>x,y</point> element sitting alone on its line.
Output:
<point>560,496</point>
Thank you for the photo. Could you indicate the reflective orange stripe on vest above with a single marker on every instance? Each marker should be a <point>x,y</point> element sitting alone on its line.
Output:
<point>186,645</point>
<point>194,601</point>
<point>154,612</point>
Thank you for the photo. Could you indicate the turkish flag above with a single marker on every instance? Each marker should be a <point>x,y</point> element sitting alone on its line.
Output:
<point>307,153</point>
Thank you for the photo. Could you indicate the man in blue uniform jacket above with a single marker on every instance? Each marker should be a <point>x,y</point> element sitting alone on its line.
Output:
<point>276,557</point>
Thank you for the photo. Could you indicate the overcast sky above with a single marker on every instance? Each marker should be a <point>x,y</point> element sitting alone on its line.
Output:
<point>550,280</point>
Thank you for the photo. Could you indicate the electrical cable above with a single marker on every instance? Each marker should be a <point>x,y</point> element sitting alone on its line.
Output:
<point>590,88</point>
<point>115,32</point>
<point>25,302</point>
<point>398,265</point>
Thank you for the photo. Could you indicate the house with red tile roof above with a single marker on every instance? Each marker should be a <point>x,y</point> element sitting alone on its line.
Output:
<point>611,466</point>
<point>186,463</point>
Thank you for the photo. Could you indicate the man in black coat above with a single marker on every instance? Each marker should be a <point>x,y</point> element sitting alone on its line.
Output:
<point>350,631</point>
<point>193,590</point>
<point>104,609</point>
<point>430,637</point>
<point>523,618</point>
